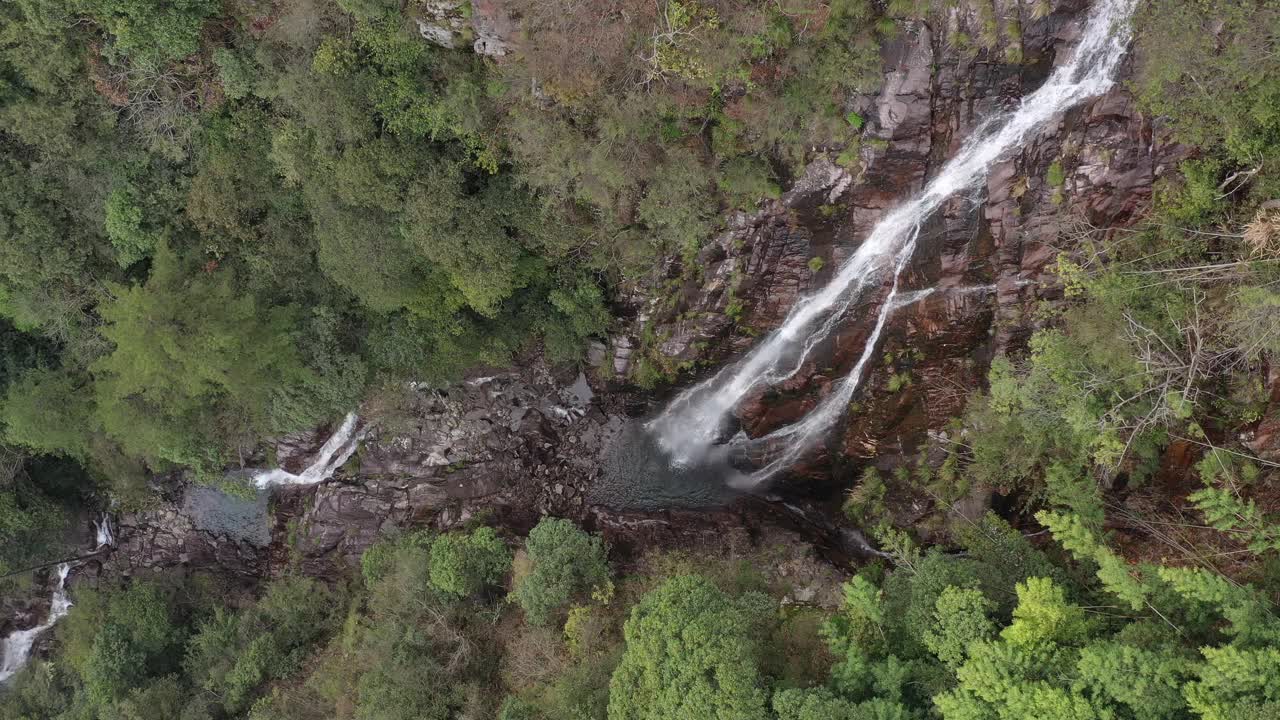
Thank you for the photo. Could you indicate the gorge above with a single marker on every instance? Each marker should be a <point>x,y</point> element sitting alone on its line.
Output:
<point>487,443</point>
<point>520,441</point>
<point>443,359</point>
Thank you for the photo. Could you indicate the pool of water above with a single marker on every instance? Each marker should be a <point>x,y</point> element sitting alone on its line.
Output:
<point>243,518</point>
<point>638,475</point>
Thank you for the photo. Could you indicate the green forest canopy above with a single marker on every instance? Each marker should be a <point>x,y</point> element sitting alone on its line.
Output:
<point>1003,631</point>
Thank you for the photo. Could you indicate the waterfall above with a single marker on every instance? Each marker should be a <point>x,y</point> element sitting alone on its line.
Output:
<point>333,454</point>
<point>102,533</point>
<point>696,420</point>
<point>17,647</point>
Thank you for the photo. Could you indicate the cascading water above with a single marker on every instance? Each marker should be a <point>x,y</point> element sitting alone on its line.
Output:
<point>333,454</point>
<point>102,533</point>
<point>336,450</point>
<point>17,647</point>
<point>696,420</point>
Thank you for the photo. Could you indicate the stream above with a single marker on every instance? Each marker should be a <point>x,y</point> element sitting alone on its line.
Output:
<point>17,646</point>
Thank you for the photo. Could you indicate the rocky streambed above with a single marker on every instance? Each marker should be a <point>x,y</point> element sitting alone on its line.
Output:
<point>509,447</point>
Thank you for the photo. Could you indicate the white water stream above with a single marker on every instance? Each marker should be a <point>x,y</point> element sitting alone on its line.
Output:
<point>102,532</point>
<point>17,646</point>
<point>696,419</point>
<point>333,454</point>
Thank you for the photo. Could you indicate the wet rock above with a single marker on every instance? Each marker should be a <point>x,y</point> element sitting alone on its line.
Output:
<point>623,349</point>
<point>169,536</point>
<point>502,442</point>
<point>597,352</point>
<point>986,257</point>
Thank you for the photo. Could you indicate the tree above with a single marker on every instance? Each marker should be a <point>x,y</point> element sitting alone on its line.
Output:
<point>1148,683</point>
<point>30,522</point>
<point>960,620</point>
<point>126,228</point>
<point>565,561</point>
<point>1043,615</point>
<point>117,640</point>
<point>1236,683</point>
<point>150,31</point>
<point>690,653</point>
<point>822,704</point>
<point>114,666</point>
<point>464,565</point>
<point>194,367</point>
<point>235,653</point>
<point>50,411</point>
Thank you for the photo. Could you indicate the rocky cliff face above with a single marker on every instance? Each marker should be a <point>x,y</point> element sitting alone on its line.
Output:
<point>988,256</point>
<point>518,443</point>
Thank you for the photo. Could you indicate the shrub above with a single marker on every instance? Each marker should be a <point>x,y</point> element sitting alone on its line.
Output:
<point>746,180</point>
<point>1055,175</point>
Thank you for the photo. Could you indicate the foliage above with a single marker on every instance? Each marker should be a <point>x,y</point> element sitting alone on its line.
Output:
<point>565,561</point>
<point>46,411</point>
<point>1211,68</point>
<point>234,654</point>
<point>124,227</point>
<point>1225,508</point>
<point>406,631</point>
<point>464,565</point>
<point>171,395</point>
<point>116,642</point>
<point>26,518</point>
<point>149,33</point>
<point>961,619</point>
<point>690,653</point>
<point>865,502</point>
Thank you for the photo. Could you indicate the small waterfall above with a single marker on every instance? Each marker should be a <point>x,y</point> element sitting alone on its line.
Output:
<point>337,449</point>
<point>697,419</point>
<point>102,533</point>
<point>333,454</point>
<point>17,647</point>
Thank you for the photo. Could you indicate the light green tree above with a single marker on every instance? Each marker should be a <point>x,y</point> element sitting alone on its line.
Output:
<point>565,561</point>
<point>689,653</point>
<point>1043,616</point>
<point>194,366</point>
<point>464,565</point>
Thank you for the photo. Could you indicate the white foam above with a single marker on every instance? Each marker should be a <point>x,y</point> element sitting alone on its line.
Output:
<point>102,533</point>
